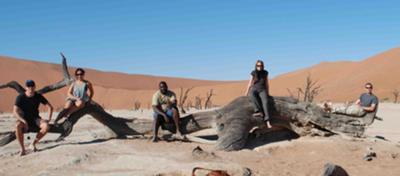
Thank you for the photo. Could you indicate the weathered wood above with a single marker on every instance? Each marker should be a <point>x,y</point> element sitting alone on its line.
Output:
<point>233,122</point>
<point>334,170</point>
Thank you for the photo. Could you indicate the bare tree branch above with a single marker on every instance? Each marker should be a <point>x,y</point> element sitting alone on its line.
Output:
<point>207,103</point>
<point>197,102</point>
<point>183,97</point>
<point>396,94</point>
<point>14,85</point>
<point>309,92</point>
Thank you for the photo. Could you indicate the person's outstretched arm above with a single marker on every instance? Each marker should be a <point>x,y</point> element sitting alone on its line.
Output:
<point>358,102</point>
<point>91,90</point>
<point>18,114</point>
<point>45,102</point>
<point>70,92</point>
<point>49,110</point>
<point>267,84</point>
<point>157,109</point>
<point>249,85</point>
<point>371,108</point>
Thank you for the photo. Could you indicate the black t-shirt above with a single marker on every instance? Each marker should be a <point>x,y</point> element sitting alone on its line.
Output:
<point>259,79</point>
<point>30,105</point>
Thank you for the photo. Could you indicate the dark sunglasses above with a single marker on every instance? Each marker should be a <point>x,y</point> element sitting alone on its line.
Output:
<point>79,74</point>
<point>368,87</point>
<point>259,65</point>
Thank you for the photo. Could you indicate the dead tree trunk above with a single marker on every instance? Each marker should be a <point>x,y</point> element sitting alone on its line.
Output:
<point>232,122</point>
<point>197,102</point>
<point>310,90</point>
<point>396,94</point>
<point>182,98</point>
<point>208,103</point>
<point>118,126</point>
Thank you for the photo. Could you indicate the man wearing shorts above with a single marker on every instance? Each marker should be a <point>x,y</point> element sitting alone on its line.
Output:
<point>26,110</point>
<point>165,110</point>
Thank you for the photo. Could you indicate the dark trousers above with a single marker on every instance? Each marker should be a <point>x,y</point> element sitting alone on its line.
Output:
<point>260,102</point>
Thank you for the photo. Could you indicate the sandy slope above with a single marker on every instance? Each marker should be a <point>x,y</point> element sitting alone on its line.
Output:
<point>85,153</point>
<point>341,81</point>
<point>124,88</point>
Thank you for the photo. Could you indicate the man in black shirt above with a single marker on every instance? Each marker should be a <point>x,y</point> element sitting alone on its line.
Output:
<point>26,110</point>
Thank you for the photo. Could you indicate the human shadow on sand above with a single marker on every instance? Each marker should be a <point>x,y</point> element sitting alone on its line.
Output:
<point>58,144</point>
<point>255,141</point>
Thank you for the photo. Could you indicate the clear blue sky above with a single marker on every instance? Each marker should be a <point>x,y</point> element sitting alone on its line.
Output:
<point>218,40</point>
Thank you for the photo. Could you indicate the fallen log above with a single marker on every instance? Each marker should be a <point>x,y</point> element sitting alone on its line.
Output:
<point>232,122</point>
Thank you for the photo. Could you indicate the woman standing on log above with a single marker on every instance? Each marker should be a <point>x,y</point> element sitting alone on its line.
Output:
<point>79,93</point>
<point>258,88</point>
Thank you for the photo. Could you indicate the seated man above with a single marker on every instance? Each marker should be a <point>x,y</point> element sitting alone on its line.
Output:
<point>26,110</point>
<point>367,103</point>
<point>165,110</point>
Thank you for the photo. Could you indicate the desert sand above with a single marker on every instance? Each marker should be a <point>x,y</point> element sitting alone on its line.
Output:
<point>88,151</point>
<point>341,81</point>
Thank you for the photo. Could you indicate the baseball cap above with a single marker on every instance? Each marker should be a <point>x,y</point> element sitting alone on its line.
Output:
<point>30,83</point>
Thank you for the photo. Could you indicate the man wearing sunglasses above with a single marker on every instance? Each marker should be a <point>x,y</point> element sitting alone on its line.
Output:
<point>367,103</point>
<point>26,110</point>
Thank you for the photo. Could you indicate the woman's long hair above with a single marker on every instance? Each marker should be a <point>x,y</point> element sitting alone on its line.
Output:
<point>257,73</point>
<point>257,62</point>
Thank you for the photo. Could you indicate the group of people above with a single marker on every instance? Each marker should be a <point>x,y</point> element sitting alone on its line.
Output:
<point>26,108</point>
<point>164,104</point>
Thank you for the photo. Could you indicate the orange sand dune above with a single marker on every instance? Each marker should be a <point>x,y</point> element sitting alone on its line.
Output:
<point>114,90</point>
<point>341,81</point>
<point>344,81</point>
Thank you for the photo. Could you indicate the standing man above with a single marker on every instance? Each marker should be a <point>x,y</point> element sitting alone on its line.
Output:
<point>165,111</point>
<point>26,110</point>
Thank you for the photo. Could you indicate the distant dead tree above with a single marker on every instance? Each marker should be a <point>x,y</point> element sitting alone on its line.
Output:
<point>311,89</point>
<point>291,94</point>
<point>197,102</point>
<point>182,98</point>
<point>136,105</point>
<point>309,92</point>
<point>189,104</point>
<point>396,95</point>
<point>208,103</point>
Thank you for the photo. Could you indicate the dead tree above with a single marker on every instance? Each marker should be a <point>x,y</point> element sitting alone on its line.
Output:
<point>208,103</point>
<point>395,95</point>
<point>197,102</point>
<point>182,98</point>
<point>136,105</point>
<point>189,104</point>
<point>291,94</point>
<point>233,122</point>
<point>309,92</point>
